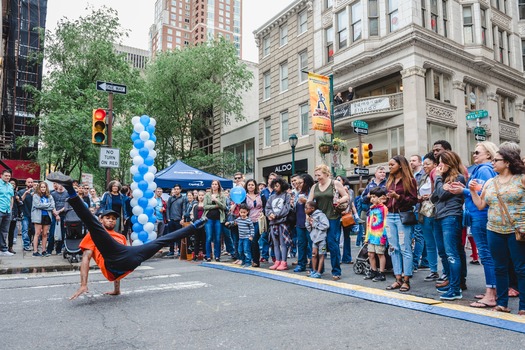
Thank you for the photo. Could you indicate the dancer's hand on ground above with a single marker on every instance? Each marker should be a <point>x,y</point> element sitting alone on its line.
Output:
<point>80,291</point>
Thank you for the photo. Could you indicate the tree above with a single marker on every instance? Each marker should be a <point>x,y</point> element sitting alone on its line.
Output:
<point>79,53</point>
<point>183,89</point>
<point>221,164</point>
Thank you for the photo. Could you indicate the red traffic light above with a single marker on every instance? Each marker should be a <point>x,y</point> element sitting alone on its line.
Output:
<point>99,114</point>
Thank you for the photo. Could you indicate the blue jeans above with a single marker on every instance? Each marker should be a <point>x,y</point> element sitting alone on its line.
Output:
<point>503,248</point>
<point>440,245</point>
<point>478,229</point>
<point>332,241</point>
<point>430,243</point>
<point>228,241</point>
<point>304,247</point>
<point>245,251</point>
<point>256,251</point>
<point>419,243</point>
<point>234,231</point>
<point>5,222</point>
<point>26,222</point>
<point>450,228</point>
<point>400,248</point>
<point>213,234</point>
<point>347,243</point>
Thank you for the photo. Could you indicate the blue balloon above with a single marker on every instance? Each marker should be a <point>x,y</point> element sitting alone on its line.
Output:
<point>134,219</point>
<point>138,177</point>
<point>149,161</point>
<point>144,120</point>
<point>237,194</point>
<point>143,169</point>
<point>143,185</point>
<point>137,227</point>
<point>150,128</point>
<point>138,144</point>
<point>144,152</point>
<point>153,138</point>
<point>135,136</point>
<point>143,236</point>
<point>149,211</point>
<point>148,194</point>
<point>152,219</point>
<point>143,202</point>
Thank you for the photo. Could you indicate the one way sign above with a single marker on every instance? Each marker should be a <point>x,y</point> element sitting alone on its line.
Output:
<point>111,87</point>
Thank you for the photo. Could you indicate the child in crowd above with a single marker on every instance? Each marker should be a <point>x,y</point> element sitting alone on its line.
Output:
<point>317,224</point>
<point>246,233</point>
<point>376,234</point>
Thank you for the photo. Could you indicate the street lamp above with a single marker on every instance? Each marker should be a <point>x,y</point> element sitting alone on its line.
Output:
<point>293,142</point>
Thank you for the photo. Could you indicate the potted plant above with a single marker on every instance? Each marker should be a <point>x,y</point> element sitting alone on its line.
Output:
<point>339,145</point>
<point>325,145</point>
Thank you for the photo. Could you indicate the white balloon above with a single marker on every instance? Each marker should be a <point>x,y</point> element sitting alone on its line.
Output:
<point>135,120</point>
<point>138,127</point>
<point>134,186</point>
<point>153,154</point>
<point>149,177</point>
<point>149,227</point>
<point>149,145</point>
<point>137,210</point>
<point>152,202</point>
<point>152,121</point>
<point>133,153</point>
<point>137,242</point>
<point>152,236</point>
<point>144,135</point>
<point>134,202</point>
<point>134,169</point>
<point>138,194</point>
<point>138,160</point>
<point>143,219</point>
<point>134,236</point>
<point>152,186</point>
<point>152,169</point>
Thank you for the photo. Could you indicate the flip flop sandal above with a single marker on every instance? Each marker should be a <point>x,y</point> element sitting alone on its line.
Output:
<point>395,285</point>
<point>405,287</point>
<point>500,308</point>
<point>481,305</point>
<point>513,293</point>
<point>479,296</point>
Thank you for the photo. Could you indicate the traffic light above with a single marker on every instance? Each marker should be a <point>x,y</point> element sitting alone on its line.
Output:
<point>367,154</point>
<point>354,156</point>
<point>99,127</point>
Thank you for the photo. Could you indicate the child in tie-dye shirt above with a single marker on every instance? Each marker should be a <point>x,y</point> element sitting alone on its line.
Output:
<point>376,234</point>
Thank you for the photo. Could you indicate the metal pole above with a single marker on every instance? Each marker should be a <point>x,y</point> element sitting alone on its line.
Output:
<point>110,137</point>
<point>360,158</point>
<point>331,76</point>
<point>293,160</point>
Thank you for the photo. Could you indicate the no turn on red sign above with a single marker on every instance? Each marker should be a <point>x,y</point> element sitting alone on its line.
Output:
<point>109,157</point>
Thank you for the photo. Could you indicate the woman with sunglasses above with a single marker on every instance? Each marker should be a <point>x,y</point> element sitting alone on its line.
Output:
<point>483,155</point>
<point>255,205</point>
<point>509,186</point>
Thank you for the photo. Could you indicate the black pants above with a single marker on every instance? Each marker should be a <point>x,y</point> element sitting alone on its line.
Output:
<point>121,258</point>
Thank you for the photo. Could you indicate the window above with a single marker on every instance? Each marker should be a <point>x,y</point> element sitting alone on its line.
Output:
<point>245,152</point>
<point>303,66</point>
<point>328,4</point>
<point>283,35</point>
<point>434,15</point>
<point>438,85</point>
<point>342,29</point>
<point>302,22</point>
<point>373,18</point>
<point>501,48</point>
<point>445,18</point>
<point>267,85</point>
<point>267,132</point>
<point>304,109</point>
<point>356,22</point>
<point>283,74</point>
<point>501,5</point>
<point>483,26</point>
<point>439,132</point>
<point>284,126</point>
<point>468,27</point>
<point>506,107</point>
<point>329,39</point>
<point>523,53</point>
<point>393,13</point>
<point>521,8</point>
<point>266,45</point>
<point>424,13</point>
<point>474,97</point>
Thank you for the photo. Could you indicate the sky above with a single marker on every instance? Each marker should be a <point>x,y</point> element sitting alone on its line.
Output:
<point>137,16</point>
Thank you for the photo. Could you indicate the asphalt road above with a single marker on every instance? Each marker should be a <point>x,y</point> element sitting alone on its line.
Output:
<point>171,304</point>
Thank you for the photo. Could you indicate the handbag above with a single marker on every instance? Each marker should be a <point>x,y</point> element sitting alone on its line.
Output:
<point>408,217</point>
<point>58,231</point>
<point>341,208</point>
<point>519,231</point>
<point>427,209</point>
<point>347,219</point>
<point>263,227</point>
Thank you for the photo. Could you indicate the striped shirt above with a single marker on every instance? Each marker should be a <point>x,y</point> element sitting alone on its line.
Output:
<point>245,227</point>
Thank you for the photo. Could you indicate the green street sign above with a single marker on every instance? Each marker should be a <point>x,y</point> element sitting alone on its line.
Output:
<point>359,124</point>
<point>477,114</point>
<point>480,131</point>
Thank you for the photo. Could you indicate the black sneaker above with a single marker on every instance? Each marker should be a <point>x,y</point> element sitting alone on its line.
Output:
<point>442,279</point>
<point>380,277</point>
<point>432,277</point>
<point>60,178</point>
<point>370,275</point>
<point>37,254</point>
<point>45,254</point>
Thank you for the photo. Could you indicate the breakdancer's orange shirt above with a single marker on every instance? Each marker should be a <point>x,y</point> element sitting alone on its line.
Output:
<point>87,243</point>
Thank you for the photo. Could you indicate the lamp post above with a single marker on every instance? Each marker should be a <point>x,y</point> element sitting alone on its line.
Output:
<point>293,142</point>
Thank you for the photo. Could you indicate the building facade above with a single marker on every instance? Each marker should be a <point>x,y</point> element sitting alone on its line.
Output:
<point>179,23</point>
<point>138,58</point>
<point>421,71</point>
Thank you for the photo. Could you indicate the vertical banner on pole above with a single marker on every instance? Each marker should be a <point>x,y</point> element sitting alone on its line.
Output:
<point>319,87</point>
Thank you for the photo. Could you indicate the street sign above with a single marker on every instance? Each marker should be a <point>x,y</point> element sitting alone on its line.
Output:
<point>477,114</point>
<point>111,87</point>
<point>359,124</point>
<point>480,137</point>
<point>480,134</point>
<point>360,131</point>
<point>361,171</point>
<point>109,157</point>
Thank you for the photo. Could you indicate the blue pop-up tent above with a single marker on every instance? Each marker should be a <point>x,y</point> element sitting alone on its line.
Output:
<point>187,177</point>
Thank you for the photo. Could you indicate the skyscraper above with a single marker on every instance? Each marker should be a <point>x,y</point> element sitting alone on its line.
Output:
<point>179,23</point>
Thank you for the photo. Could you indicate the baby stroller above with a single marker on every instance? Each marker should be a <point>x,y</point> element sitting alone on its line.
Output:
<point>362,265</point>
<point>74,234</point>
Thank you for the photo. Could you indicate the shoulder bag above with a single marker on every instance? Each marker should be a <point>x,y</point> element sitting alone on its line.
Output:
<point>406,217</point>
<point>519,231</point>
<point>341,208</point>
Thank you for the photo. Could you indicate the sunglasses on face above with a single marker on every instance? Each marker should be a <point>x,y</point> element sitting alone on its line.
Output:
<point>237,178</point>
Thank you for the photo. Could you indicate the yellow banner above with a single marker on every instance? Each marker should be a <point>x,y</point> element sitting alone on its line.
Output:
<point>319,87</point>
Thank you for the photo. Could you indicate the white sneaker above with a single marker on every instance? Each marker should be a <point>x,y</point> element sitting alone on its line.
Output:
<point>6,253</point>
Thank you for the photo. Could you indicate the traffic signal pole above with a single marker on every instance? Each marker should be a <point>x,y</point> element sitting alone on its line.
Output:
<point>360,157</point>
<point>109,132</point>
